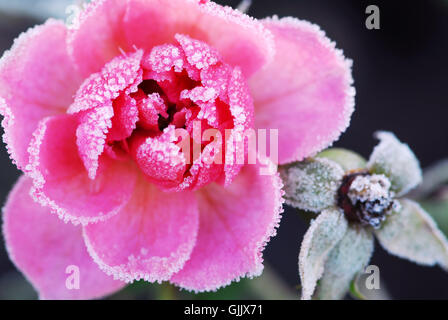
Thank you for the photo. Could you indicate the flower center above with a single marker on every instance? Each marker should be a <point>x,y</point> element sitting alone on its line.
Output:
<point>366,198</point>
<point>156,107</point>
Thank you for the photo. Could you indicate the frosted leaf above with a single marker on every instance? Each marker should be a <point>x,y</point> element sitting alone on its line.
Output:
<point>323,235</point>
<point>397,161</point>
<point>312,184</point>
<point>347,159</point>
<point>349,257</point>
<point>411,233</point>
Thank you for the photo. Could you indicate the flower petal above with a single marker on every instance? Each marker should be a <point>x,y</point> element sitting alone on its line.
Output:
<point>42,247</point>
<point>91,136</point>
<point>61,182</point>
<point>108,25</point>
<point>236,222</point>
<point>349,257</point>
<point>160,158</point>
<point>410,233</point>
<point>397,161</point>
<point>305,92</point>
<point>312,185</point>
<point>150,239</point>
<point>37,79</point>
<point>122,74</point>
<point>322,236</point>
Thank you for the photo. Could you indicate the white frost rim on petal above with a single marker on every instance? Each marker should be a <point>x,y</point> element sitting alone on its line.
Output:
<point>347,64</point>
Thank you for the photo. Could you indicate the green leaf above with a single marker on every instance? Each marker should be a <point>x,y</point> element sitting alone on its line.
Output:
<point>347,159</point>
<point>438,209</point>
<point>412,234</point>
<point>395,160</point>
<point>348,258</point>
<point>323,235</point>
<point>355,291</point>
<point>312,184</point>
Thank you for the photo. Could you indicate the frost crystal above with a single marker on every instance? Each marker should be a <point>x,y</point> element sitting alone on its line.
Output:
<point>369,188</point>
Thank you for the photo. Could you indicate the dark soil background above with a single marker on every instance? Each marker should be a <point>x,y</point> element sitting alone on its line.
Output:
<point>400,76</point>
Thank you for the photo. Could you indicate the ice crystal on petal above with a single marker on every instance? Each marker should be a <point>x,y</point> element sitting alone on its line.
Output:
<point>101,88</point>
<point>197,52</point>
<point>91,136</point>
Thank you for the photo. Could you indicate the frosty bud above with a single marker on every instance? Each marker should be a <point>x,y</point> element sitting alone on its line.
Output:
<point>366,198</point>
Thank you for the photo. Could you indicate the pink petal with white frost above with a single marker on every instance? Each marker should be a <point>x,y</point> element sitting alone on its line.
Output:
<point>234,230</point>
<point>31,90</point>
<point>198,54</point>
<point>163,58</point>
<point>42,247</point>
<point>150,239</point>
<point>91,136</point>
<point>242,109</point>
<point>160,158</point>
<point>125,118</point>
<point>149,109</point>
<point>108,25</point>
<point>122,74</point>
<point>306,92</point>
<point>61,182</point>
<point>217,77</point>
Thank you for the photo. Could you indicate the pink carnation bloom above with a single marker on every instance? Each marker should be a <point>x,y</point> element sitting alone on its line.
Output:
<point>90,114</point>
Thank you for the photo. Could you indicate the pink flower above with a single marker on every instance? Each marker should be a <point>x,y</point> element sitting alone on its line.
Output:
<point>90,116</point>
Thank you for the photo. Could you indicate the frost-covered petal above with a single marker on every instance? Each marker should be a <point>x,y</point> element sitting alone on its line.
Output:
<point>150,239</point>
<point>160,158</point>
<point>97,38</point>
<point>62,183</point>
<point>197,53</point>
<point>242,110</point>
<point>322,236</point>
<point>306,92</point>
<point>91,136</point>
<point>42,247</point>
<point>124,121</point>
<point>396,160</point>
<point>37,79</point>
<point>350,256</point>
<point>107,26</point>
<point>236,222</point>
<point>312,184</point>
<point>410,233</point>
<point>101,88</point>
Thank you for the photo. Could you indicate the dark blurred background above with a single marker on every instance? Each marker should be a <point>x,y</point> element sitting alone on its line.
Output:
<point>400,76</point>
